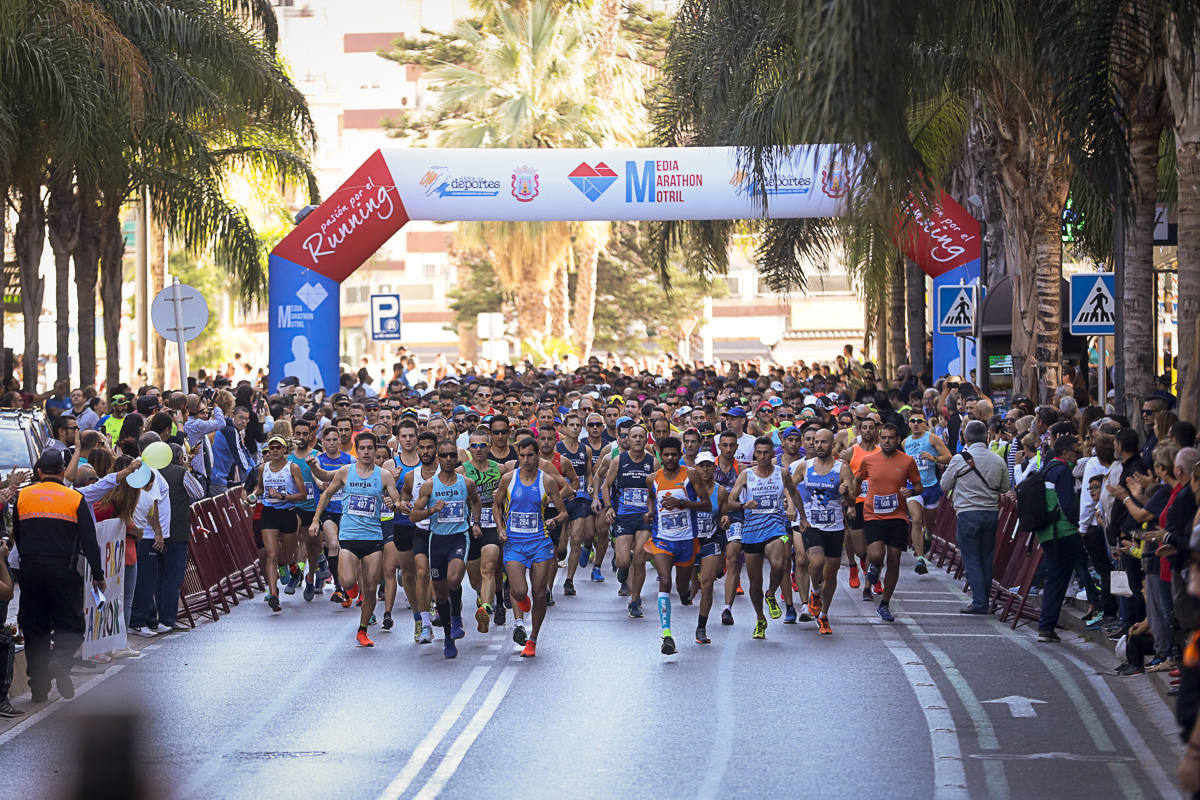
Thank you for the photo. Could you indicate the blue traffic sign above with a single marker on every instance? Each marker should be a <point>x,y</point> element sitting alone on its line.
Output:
<point>956,308</point>
<point>385,316</point>
<point>1093,304</point>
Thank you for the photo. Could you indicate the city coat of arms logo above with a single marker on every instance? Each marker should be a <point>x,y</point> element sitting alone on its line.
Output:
<point>525,184</point>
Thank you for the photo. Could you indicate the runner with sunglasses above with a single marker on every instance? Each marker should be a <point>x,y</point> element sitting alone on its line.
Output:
<point>398,554</point>
<point>484,555</point>
<point>853,456</point>
<point>281,487</point>
<point>929,451</point>
<point>596,444</point>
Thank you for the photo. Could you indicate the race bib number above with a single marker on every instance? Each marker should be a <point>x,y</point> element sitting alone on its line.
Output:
<point>673,521</point>
<point>523,522</point>
<point>453,511</point>
<point>361,505</point>
<point>821,515</point>
<point>486,520</point>
<point>765,504</point>
<point>311,488</point>
<point>634,498</point>
<point>886,503</point>
<point>865,486</point>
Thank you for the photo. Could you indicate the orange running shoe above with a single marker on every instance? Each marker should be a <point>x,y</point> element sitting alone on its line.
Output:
<point>530,649</point>
<point>525,604</point>
<point>483,616</point>
<point>854,577</point>
<point>352,592</point>
<point>877,587</point>
<point>346,601</point>
<point>814,604</point>
<point>362,640</point>
<point>823,626</point>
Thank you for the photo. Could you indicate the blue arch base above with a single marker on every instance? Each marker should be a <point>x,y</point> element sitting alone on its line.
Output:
<point>305,326</point>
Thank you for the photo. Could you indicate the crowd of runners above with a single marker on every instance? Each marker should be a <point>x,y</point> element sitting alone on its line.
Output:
<point>762,484</point>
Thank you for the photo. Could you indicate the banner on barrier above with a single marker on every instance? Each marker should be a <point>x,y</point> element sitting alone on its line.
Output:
<point>104,627</point>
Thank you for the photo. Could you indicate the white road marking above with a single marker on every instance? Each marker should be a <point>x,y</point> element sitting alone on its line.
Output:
<point>458,750</point>
<point>38,716</point>
<point>1018,706</point>
<point>416,762</point>
<point>489,657</point>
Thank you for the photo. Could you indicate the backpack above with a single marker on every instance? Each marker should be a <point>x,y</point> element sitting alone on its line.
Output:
<point>1033,513</point>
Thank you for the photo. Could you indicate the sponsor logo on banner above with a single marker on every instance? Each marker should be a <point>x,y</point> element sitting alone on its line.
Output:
<point>939,237</point>
<point>774,185</point>
<point>659,182</point>
<point>349,226</point>
<point>293,315</point>
<point>440,182</point>
<point>833,180</point>
<point>524,184</point>
<point>593,181</point>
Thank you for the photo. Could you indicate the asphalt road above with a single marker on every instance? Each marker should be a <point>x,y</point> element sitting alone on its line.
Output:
<point>261,705</point>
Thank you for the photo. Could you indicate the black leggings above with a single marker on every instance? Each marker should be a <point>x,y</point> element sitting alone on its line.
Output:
<point>1096,545</point>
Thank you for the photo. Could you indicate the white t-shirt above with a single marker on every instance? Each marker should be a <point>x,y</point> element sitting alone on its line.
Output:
<point>146,497</point>
<point>745,449</point>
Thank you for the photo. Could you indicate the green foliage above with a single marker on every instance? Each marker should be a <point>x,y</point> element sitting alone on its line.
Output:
<point>209,349</point>
<point>480,293</point>
<point>634,312</point>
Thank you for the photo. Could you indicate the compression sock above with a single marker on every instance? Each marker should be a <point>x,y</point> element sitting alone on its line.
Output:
<point>664,612</point>
<point>456,602</point>
<point>333,566</point>
<point>444,612</point>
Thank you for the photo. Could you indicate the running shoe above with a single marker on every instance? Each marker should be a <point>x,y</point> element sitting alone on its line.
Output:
<point>347,601</point>
<point>795,588</point>
<point>273,602</point>
<point>885,613</point>
<point>853,577</point>
<point>1093,622</point>
<point>805,616</point>
<point>525,604</point>
<point>379,592</point>
<point>922,567</point>
<point>789,615</point>
<point>501,614</point>
<point>293,582</point>
<point>668,646</point>
<point>7,711</point>
<point>507,596</point>
<point>417,630</point>
<point>773,607</point>
<point>685,598</point>
<point>635,610</point>
<point>597,575</point>
<point>622,575</point>
<point>1048,635</point>
<point>814,603</point>
<point>519,634</point>
<point>363,640</point>
<point>585,555</point>
<point>372,620</point>
<point>1126,670</point>
<point>388,622</point>
<point>339,597</point>
<point>877,587</point>
<point>530,649</point>
<point>456,628</point>
<point>702,635</point>
<point>873,573</point>
<point>823,626</point>
<point>323,573</point>
<point>740,591</point>
<point>623,589</point>
<point>569,587</point>
<point>426,635</point>
<point>483,616</point>
<point>867,592</point>
<point>450,650</point>
<point>760,630</point>
<point>726,617</point>
<point>310,590</point>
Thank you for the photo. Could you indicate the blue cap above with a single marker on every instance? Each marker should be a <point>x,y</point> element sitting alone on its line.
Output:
<point>736,411</point>
<point>790,430</point>
<point>623,420</point>
<point>460,410</point>
<point>776,402</point>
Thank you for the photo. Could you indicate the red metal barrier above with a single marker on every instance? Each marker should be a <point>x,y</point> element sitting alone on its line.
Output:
<point>222,558</point>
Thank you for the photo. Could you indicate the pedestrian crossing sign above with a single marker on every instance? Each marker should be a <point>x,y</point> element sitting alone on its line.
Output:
<point>1093,304</point>
<point>956,308</point>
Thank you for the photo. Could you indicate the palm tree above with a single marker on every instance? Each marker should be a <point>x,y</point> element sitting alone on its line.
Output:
<point>62,218</point>
<point>529,82</point>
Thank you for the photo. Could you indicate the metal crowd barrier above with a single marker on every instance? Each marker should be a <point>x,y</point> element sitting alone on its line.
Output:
<point>222,558</point>
<point>1014,563</point>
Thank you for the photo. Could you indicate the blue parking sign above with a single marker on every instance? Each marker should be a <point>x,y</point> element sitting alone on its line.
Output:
<point>385,316</point>
<point>1093,304</point>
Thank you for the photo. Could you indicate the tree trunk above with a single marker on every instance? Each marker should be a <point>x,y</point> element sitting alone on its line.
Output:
<point>585,299</point>
<point>879,323</point>
<point>62,218</point>
<point>158,280</point>
<point>1183,88</point>
<point>112,253</point>
<point>560,303</point>
<point>1136,298</point>
<point>1047,340</point>
<point>914,279</point>
<point>532,307</point>
<point>29,240</point>
<point>87,267</point>
<point>468,336</point>
<point>896,321</point>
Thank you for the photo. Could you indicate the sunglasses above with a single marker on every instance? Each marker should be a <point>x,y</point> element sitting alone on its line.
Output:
<point>499,431</point>
<point>595,424</point>
<point>447,455</point>
<point>917,421</point>
<point>478,445</point>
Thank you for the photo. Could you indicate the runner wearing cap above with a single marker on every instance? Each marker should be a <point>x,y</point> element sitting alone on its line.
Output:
<point>118,407</point>
<point>596,445</point>
<point>929,451</point>
<point>790,459</point>
<point>710,526</point>
<point>735,420</point>
<point>281,486</point>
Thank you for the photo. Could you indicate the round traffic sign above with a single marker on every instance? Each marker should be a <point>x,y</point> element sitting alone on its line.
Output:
<point>193,313</point>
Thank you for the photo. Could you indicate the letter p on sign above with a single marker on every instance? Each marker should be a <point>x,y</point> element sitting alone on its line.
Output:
<point>385,316</point>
